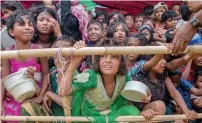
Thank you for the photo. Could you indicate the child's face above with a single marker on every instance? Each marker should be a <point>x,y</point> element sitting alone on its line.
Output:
<point>95,33</point>
<point>129,21</point>
<point>132,41</point>
<point>176,8</point>
<point>198,61</point>
<point>113,18</point>
<point>138,22</point>
<point>119,34</point>
<point>160,67</point>
<point>7,12</point>
<point>159,12</point>
<point>109,64</point>
<point>171,23</point>
<point>147,34</point>
<point>43,23</point>
<point>175,80</point>
<point>23,31</point>
<point>101,18</point>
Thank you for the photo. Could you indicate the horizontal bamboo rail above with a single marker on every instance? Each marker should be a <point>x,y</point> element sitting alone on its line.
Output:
<point>86,119</point>
<point>95,51</point>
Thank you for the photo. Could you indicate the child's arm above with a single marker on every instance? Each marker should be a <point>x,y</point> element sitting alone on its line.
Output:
<point>199,81</point>
<point>196,91</point>
<point>45,82</point>
<point>65,85</point>
<point>5,72</point>
<point>174,64</point>
<point>54,97</point>
<point>187,69</point>
<point>178,99</point>
<point>153,62</point>
<point>190,88</point>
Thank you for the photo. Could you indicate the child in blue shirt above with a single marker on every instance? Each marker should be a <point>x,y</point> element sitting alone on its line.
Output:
<point>184,87</point>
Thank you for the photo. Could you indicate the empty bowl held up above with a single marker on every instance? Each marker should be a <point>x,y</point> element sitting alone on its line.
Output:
<point>134,91</point>
<point>19,86</point>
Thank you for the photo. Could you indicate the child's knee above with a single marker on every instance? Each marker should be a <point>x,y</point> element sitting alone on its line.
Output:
<point>157,106</point>
<point>160,107</point>
<point>130,110</point>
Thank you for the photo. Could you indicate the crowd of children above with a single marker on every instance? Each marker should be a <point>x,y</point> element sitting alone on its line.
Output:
<point>93,83</point>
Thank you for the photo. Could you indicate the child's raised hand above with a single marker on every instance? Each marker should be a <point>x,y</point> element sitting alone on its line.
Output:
<point>79,44</point>
<point>56,27</point>
<point>147,99</point>
<point>149,114</point>
<point>30,72</point>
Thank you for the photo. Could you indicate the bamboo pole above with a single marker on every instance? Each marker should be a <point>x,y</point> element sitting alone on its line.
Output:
<point>67,106</point>
<point>95,51</point>
<point>86,119</point>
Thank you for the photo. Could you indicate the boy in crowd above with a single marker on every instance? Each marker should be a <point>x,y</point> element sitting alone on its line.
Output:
<point>176,7</point>
<point>130,22</point>
<point>139,20</point>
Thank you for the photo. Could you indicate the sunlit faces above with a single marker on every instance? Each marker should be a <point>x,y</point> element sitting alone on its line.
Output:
<point>176,8</point>
<point>43,23</point>
<point>171,23</point>
<point>159,12</point>
<point>198,61</point>
<point>109,64</point>
<point>101,18</point>
<point>129,21</point>
<point>120,34</point>
<point>138,21</point>
<point>132,41</point>
<point>160,67</point>
<point>23,31</point>
<point>95,32</point>
<point>113,18</point>
<point>175,80</point>
<point>7,12</point>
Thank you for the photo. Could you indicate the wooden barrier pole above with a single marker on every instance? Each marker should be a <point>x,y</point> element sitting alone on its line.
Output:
<point>67,106</point>
<point>86,119</point>
<point>95,51</point>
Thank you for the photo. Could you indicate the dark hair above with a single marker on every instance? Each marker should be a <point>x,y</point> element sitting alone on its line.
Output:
<point>175,72</point>
<point>122,67</point>
<point>149,28</point>
<point>148,10</point>
<point>170,14</point>
<point>17,17</point>
<point>120,16</point>
<point>175,4</point>
<point>35,6</point>
<point>129,15</point>
<point>139,15</point>
<point>12,5</point>
<point>66,38</point>
<point>36,14</point>
<point>96,22</point>
<point>70,27</point>
<point>141,37</point>
<point>100,13</point>
<point>112,28</point>
<point>169,37</point>
<point>185,12</point>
